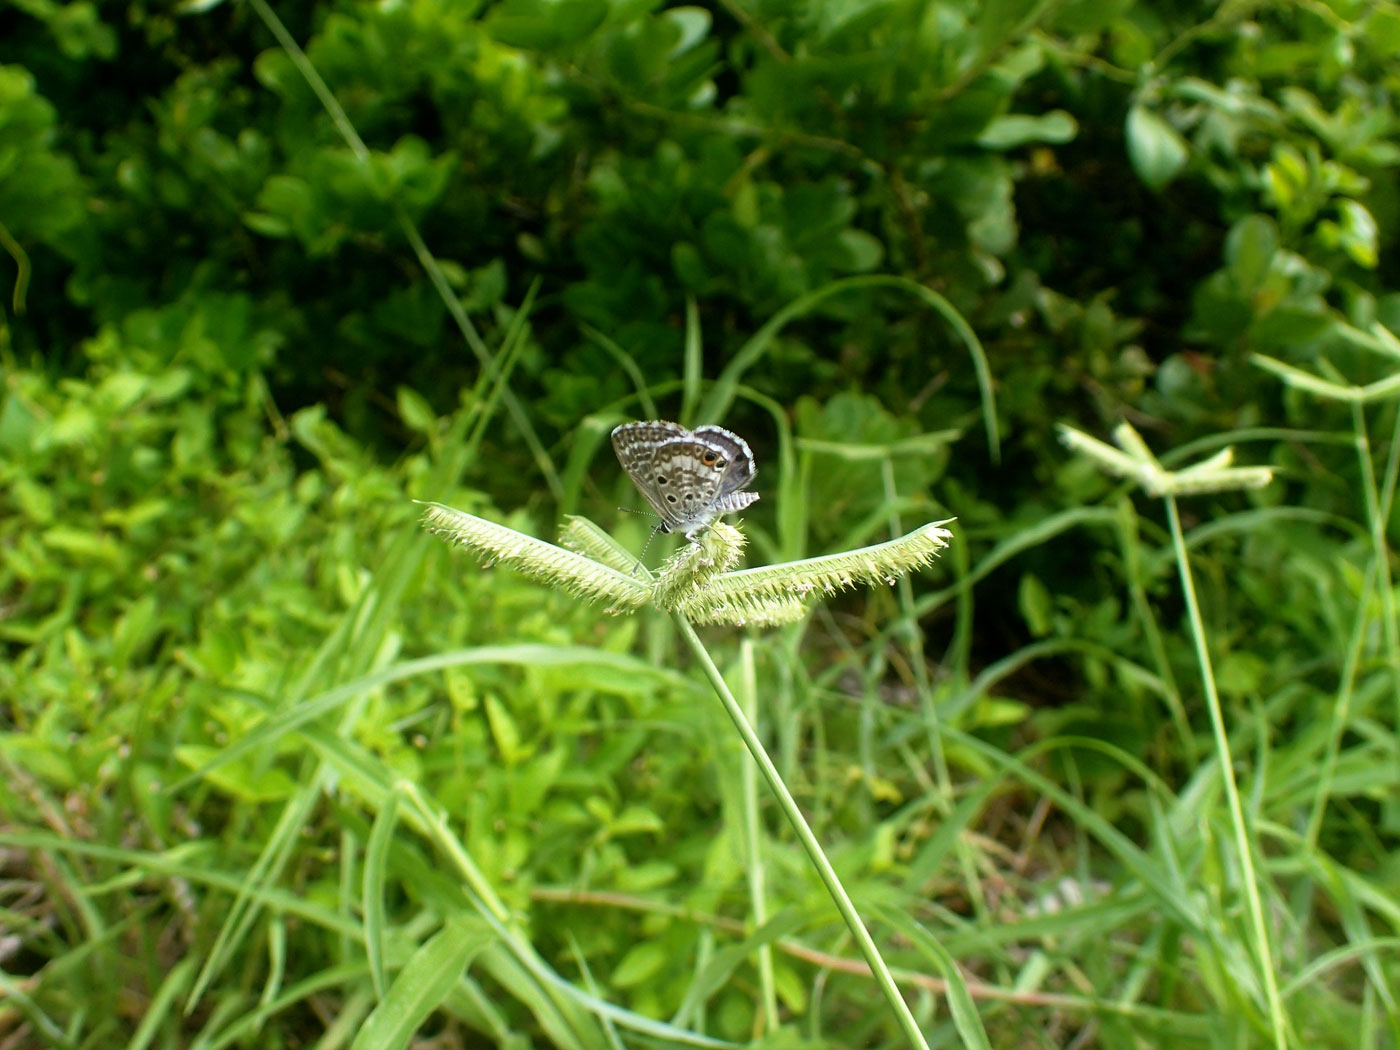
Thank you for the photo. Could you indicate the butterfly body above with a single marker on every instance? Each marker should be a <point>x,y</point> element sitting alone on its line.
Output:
<point>690,477</point>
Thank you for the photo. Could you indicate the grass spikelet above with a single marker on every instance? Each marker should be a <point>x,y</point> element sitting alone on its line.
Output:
<point>694,568</point>
<point>574,573</point>
<point>1137,462</point>
<point>775,590</point>
<point>581,535</point>
<point>697,582</point>
<point>745,611</point>
<point>1188,483</point>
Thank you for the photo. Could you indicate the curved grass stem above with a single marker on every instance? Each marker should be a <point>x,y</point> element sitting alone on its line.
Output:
<point>805,836</point>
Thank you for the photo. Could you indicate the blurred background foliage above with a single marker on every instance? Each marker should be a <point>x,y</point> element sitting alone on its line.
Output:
<point>227,369</point>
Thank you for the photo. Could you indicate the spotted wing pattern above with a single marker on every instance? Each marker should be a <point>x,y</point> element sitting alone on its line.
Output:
<point>636,443</point>
<point>741,469</point>
<point>686,475</point>
<point>689,478</point>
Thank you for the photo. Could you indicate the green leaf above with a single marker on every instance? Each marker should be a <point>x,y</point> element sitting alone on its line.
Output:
<point>76,426</point>
<point>1156,150</point>
<point>83,544</point>
<point>239,780</point>
<point>1358,233</point>
<point>693,22</point>
<point>1286,176</point>
<point>649,875</point>
<point>1019,129</point>
<point>375,883</point>
<point>546,25</point>
<point>636,820</point>
<point>960,1002</point>
<point>641,963</point>
<point>864,251</point>
<point>423,985</point>
<point>35,502</point>
<point>415,411</point>
<point>1382,28</point>
<point>288,207</point>
<point>791,988</point>
<point>504,730</point>
<point>993,711</point>
<point>1037,606</point>
<point>689,265</point>
<point>1249,251</point>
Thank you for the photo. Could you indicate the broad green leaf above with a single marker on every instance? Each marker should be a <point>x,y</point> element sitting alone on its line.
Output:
<point>1155,148</point>
<point>75,426</point>
<point>635,820</point>
<point>1249,251</point>
<point>546,26</point>
<point>1357,233</point>
<point>1286,176</point>
<point>864,251</point>
<point>415,411</point>
<point>694,24</point>
<point>641,963</point>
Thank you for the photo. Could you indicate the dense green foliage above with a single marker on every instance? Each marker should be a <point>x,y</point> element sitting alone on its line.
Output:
<point>239,683</point>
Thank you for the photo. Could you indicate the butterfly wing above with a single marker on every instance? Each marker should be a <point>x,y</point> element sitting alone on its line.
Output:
<point>637,446</point>
<point>688,478</point>
<point>685,479</point>
<point>740,469</point>
<point>636,443</point>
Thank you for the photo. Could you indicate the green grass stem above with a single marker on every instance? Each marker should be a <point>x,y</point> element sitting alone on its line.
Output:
<point>1243,841</point>
<point>805,836</point>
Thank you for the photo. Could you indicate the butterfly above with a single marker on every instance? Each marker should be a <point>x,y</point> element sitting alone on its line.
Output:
<point>690,477</point>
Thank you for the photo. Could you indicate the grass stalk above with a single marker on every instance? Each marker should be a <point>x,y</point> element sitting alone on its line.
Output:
<point>805,836</point>
<point>1243,844</point>
<point>1376,518</point>
<point>753,843</point>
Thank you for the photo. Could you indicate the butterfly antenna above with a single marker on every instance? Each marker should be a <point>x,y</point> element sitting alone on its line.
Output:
<point>650,536</point>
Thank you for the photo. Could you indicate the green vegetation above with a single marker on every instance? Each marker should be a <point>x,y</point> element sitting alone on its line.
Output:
<point>1119,767</point>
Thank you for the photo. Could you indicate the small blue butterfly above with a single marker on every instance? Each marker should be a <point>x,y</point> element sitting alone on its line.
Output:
<point>690,477</point>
